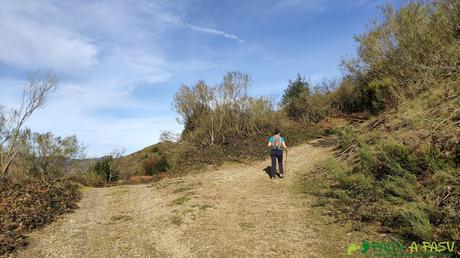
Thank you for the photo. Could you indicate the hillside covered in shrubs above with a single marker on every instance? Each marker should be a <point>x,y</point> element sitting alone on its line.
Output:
<point>400,168</point>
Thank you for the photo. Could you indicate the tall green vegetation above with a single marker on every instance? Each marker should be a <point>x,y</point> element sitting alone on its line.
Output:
<point>104,168</point>
<point>401,168</point>
<point>295,99</point>
<point>306,104</point>
<point>409,52</point>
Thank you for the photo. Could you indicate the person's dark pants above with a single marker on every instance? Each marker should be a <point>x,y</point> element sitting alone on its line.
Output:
<point>276,154</point>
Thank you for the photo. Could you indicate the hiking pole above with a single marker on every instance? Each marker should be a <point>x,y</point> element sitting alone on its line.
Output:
<point>285,162</point>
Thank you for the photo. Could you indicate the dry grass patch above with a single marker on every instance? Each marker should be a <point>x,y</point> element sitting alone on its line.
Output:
<point>120,218</point>
<point>182,189</point>
<point>179,201</point>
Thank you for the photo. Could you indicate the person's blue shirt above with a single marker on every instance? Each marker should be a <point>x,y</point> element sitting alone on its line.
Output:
<point>271,139</point>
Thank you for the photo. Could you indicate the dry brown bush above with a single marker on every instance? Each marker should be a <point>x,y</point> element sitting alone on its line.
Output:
<point>29,205</point>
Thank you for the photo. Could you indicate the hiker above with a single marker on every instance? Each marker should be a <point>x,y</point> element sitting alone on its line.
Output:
<point>276,144</point>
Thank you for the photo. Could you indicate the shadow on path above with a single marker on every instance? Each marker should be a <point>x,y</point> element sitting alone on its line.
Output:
<point>267,171</point>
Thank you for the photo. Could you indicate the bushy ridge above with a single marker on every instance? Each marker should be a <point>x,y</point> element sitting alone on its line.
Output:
<point>400,168</point>
<point>149,164</point>
<point>223,123</point>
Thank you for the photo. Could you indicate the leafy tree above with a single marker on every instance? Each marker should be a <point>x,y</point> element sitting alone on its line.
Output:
<point>104,168</point>
<point>296,89</point>
<point>295,99</point>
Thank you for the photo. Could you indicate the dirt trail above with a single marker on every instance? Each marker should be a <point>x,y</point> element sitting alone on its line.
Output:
<point>236,211</point>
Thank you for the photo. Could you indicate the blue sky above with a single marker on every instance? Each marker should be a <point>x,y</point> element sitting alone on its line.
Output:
<point>119,63</point>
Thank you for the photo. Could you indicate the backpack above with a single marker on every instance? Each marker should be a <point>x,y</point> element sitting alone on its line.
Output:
<point>277,144</point>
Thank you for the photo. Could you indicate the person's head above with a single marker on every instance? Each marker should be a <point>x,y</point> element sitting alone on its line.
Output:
<point>277,131</point>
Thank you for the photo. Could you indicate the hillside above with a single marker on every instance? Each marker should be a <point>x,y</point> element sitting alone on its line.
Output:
<point>134,163</point>
<point>400,169</point>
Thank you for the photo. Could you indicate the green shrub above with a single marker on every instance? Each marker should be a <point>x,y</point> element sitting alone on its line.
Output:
<point>431,160</point>
<point>340,194</point>
<point>347,97</point>
<point>162,165</point>
<point>380,94</point>
<point>412,222</point>
<point>90,178</point>
<point>104,168</point>
<point>399,187</point>
<point>155,164</point>
<point>361,185</point>
<point>397,160</point>
<point>407,52</point>
<point>347,136</point>
<point>303,105</point>
<point>366,158</point>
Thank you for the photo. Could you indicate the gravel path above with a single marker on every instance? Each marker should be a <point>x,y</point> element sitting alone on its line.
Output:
<point>236,211</point>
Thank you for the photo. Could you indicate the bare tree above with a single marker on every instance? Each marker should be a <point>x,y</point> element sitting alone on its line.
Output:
<point>210,111</point>
<point>169,136</point>
<point>37,88</point>
<point>118,168</point>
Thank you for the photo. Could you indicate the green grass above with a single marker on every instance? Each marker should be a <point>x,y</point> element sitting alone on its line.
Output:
<point>387,182</point>
<point>179,201</point>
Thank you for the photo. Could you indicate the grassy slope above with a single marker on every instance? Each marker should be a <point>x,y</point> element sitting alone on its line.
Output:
<point>134,161</point>
<point>400,169</point>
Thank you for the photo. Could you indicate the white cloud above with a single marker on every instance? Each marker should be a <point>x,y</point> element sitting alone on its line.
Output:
<point>268,8</point>
<point>216,32</point>
<point>309,4</point>
<point>159,11</point>
<point>101,51</point>
<point>32,38</point>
